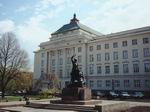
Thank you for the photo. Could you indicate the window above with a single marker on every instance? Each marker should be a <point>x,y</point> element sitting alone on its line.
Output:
<point>116,68</point>
<point>135,53</point>
<point>91,69</point>
<point>79,49</point>
<point>116,83</point>
<point>124,43</point>
<point>99,69</point>
<point>42,62</point>
<point>145,40</point>
<point>137,83</point>
<point>107,58</point>
<point>147,83</point>
<point>135,68</point>
<point>115,55</point>
<point>99,83</point>
<point>60,73</point>
<point>98,47</point>
<point>107,69</point>
<point>68,60</point>
<point>147,67</point>
<point>91,83</point>
<point>125,54</point>
<point>91,48</point>
<point>59,52</point>
<point>106,46</point>
<point>126,83</point>
<point>68,50</point>
<point>61,61</point>
<point>52,53</point>
<point>125,68</point>
<point>53,62</point>
<point>91,58</point>
<point>79,59</point>
<point>42,55</point>
<point>115,45</point>
<point>134,42</point>
<point>146,52</point>
<point>98,57</point>
<point>108,83</point>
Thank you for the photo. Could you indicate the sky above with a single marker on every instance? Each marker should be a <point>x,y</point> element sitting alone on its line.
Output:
<point>33,21</point>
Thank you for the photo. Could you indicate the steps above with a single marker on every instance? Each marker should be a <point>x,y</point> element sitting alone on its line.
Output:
<point>77,108</point>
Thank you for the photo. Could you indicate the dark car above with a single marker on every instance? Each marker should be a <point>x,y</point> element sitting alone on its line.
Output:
<point>112,95</point>
<point>138,95</point>
<point>125,95</point>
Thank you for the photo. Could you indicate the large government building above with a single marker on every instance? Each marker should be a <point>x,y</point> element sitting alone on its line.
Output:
<point>116,61</point>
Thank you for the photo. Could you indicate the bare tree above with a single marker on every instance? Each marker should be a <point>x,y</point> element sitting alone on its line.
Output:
<point>12,60</point>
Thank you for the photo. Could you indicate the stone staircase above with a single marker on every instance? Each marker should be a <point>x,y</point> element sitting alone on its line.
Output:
<point>77,108</point>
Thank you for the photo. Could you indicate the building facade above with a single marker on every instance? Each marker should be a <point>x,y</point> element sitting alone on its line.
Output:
<point>117,61</point>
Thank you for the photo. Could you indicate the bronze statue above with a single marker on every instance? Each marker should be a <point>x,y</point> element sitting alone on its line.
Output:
<point>77,78</point>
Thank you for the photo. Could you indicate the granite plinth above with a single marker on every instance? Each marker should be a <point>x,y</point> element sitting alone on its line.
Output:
<point>76,93</point>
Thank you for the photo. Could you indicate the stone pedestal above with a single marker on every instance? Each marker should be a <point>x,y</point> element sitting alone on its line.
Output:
<point>76,93</point>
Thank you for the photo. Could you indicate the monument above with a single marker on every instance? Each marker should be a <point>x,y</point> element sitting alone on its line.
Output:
<point>76,90</point>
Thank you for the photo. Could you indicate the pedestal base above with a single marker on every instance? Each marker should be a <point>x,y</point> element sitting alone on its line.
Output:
<point>76,93</point>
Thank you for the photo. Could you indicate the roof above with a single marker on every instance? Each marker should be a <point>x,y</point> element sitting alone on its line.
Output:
<point>74,25</point>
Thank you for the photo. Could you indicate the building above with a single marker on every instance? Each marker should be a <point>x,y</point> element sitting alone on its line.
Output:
<point>117,61</point>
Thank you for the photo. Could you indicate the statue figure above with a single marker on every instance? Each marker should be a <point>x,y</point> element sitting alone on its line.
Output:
<point>77,78</point>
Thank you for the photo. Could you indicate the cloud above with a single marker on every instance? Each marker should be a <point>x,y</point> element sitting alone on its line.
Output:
<point>118,15</point>
<point>7,25</point>
<point>22,9</point>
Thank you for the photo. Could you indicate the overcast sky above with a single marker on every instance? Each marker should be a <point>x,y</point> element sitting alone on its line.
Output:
<point>34,20</point>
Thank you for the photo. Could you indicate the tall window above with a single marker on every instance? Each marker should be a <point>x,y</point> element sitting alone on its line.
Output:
<point>115,45</point>
<point>145,40</point>
<point>91,69</point>
<point>124,43</point>
<point>125,68</point>
<point>99,69</point>
<point>116,83</point>
<point>79,49</point>
<point>99,83</point>
<point>68,50</point>
<point>134,42</point>
<point>60,73</point>
<point>115,55</point>
<point>135,53</point>
<point>107,69</point>
<point>91,48</point>
<point>68,60</point>
<point>135,67</point>
<point>147,67</point>
<point>125,54</point>
<point>79,59</point>
<point>146,52</point>
<point>106,46</point>
<point>126,83</point>
<point>42,62</point>
<point>98,57</point>
<point>91,83</point>
<point>108,83</point>
<point>116,68</point>
<point>60,61</point>
<point>98,47</point>
<point>137,83</point>
<point>53,62</point>
<point>42,55</point>
<point>107,58</point>
<point>147,83</point>
<point>91,58</point>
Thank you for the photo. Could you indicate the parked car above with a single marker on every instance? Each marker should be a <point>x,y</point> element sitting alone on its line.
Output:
<point>99,93</point>
<point>112,95</point>
<point>125,95</point>
<point>138,95</point>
